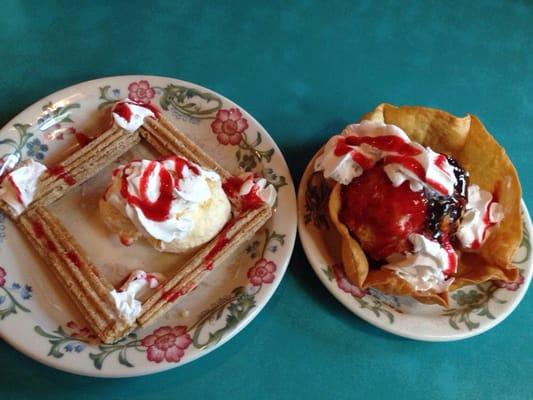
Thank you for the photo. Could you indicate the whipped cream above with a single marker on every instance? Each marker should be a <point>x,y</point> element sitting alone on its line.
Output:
<point>165,199</point>
<point>481,213</point>
<point>249,190</point>
<point>361,146</point>
<point>9,163</point>
<point>258,185</point>
<point>125,298</point>
<point>19,186</point>
<point>427,267</point>
<point>130,115</point>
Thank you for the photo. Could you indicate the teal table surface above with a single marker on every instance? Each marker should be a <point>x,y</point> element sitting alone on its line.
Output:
<point>304,69</point>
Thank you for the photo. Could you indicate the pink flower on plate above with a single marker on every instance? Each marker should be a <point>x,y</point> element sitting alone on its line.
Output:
<point>344,284</point>
<point>2,276</point>
<point>141,92</point>
<point>262,272</point>
<point>167,343</point>
<point>512,286</point>
<point>229,126</point>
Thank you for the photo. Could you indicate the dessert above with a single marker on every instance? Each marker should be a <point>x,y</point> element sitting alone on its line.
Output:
<point>424,202</point>
<point>174,203</point>
<point>18,188</point>
<point>177,202</point>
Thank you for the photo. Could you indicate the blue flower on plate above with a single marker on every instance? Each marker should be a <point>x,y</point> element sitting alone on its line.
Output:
<point>69,347</point>
<point>15,286</point>
<point>36,149</point>
<point>116,92</point>
<point>25,293</point>
<point>79,348</point>
<point>2,299</point>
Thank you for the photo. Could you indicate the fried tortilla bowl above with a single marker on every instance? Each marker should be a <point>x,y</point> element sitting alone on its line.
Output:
<point>471,144</point>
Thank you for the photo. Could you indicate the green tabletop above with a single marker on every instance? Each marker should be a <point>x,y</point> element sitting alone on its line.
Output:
<point>304,69</point>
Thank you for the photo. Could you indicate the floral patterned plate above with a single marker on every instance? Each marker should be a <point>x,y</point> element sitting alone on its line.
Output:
<point>35,315</point>
<point>473,309</point>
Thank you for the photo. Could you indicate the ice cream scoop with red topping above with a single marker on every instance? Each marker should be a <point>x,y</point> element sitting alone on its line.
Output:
<point>407,212</point>
<point>173,203</point>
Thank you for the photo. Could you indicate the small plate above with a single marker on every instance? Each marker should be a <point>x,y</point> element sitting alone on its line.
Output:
<point>38,319</point>
<point>473,309</point>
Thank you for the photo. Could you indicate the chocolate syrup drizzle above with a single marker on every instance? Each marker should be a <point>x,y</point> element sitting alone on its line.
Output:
<point>444,211</point>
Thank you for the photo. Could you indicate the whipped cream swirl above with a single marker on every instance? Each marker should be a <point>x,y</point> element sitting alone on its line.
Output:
<point>249,191</point>
<point>18,187</point>
<point>361,146</point>
<point>126,297</point>
<point>162,198</point>
<point>481,213</point>
<point>130,115</point>
<point>427,267</point>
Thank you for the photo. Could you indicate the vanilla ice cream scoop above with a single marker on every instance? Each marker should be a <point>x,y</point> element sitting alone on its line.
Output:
<point>173,203</point>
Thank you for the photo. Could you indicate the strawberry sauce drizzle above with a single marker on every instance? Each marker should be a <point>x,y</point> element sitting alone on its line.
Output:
<point>51,246</point>
<point>38,229</point>
<point>16,188</point>
<point>83,139</point>
<point>207,262</point>
<point>123,110</point>
<point>180,164</point>
<point>222,241</point>
<point>476,244</point>
<point>387,143</point>
<point>126,241</point>
<point>159,209</point>
<point>250,201</point>
<point>416,168</point>
<point>173,295</point>
<point>452,255</point>
<point>73,257</point>
<point>404,154</point>
<point>61,173</point>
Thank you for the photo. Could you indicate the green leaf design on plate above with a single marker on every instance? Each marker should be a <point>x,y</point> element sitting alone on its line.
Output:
<point>53,114</point>
<point>58,339</point>
<point>470,302</point>
<point>121,347</point>
<point>525,244</point>
<point>190,101</point>
<point>9,304</point>
<point>238,304</point>
<point>249,155</point>
<point>316,200</point>
<point>106,97</point>
<point>368,301</point>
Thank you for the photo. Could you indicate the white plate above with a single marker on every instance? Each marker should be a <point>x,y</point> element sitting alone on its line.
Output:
<point>36,316</point>
<point>473,309</point>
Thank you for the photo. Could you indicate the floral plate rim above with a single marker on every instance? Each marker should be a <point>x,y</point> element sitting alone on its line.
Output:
<point>380,305</point>
<point>86,90</point>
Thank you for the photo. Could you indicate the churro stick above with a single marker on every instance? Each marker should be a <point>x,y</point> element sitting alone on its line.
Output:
<point>83,164</point>
<point>236,232</point>
<point>166,138</point>
<point>79,278</point>
<point>4,207</point>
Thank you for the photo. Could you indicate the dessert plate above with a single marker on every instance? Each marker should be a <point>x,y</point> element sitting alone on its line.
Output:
<point>38,319</point>
<point>473,309</point>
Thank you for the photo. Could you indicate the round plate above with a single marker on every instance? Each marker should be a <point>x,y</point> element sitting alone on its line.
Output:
<point>38,319</point>
<point>473,309</point>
